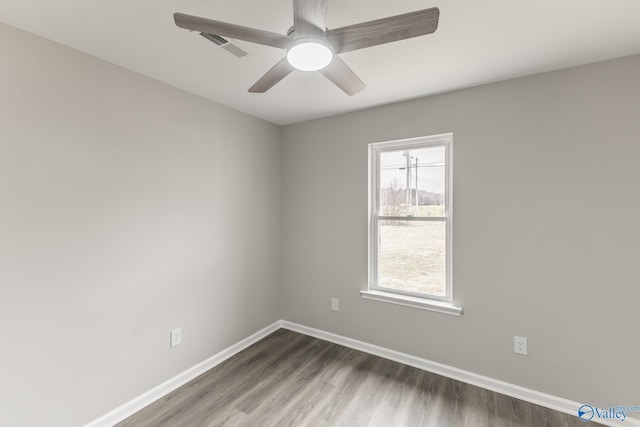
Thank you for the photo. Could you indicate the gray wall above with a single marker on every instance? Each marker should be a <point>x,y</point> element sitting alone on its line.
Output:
<point>546,230</point>
<point>127,208</point>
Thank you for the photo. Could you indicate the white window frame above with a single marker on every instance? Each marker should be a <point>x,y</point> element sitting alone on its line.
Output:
<point>443,304</point>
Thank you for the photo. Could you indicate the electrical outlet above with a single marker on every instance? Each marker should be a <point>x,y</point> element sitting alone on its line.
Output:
<point>520,345</point>
<point>335,304</point>
<point>176,337</point>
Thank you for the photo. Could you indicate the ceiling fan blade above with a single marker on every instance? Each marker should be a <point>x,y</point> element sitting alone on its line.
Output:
<point>310,17</point>
<point>279,71</point>
<point>239,32</point>
<point>385,30</point>
<point>342,76</point>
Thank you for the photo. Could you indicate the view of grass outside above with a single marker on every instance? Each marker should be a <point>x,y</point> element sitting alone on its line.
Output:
<point>413,256</point>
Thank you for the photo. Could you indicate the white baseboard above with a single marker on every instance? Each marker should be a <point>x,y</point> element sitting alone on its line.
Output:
<point>518,392</point>
<point>502,387</point>
<point>145,399</point>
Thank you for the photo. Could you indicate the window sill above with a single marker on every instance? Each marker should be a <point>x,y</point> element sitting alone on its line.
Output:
<point>414,302</point>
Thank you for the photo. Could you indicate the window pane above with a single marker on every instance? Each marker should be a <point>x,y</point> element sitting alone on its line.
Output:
<point>413,256</point>
<point>412,182</point>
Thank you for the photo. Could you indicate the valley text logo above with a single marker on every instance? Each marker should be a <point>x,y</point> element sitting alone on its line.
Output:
<point>587,412</point>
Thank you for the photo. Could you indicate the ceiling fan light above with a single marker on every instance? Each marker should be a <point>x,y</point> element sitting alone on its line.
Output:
<point>309,54</point>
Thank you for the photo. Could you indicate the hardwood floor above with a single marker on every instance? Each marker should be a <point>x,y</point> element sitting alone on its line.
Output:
<point>290,379</point>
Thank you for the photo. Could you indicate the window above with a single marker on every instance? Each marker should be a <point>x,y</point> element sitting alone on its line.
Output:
<point>410,223</point>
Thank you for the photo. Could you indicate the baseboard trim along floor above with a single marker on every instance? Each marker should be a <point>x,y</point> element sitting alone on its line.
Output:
<point>528,395</point>
<point>512,390</point>
<point>126,410</point>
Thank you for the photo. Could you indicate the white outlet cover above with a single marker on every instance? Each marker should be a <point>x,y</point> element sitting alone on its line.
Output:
<point>335,304</point>
<point>520,345</point>
<point>176,337</point>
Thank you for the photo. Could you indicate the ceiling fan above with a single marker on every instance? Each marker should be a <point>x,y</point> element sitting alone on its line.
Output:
<point>311,46</point>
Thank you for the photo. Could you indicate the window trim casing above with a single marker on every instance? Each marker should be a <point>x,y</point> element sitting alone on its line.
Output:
<point>418,300</point>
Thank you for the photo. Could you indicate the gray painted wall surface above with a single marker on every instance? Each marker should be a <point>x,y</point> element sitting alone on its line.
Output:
<point>127,208</point>
<point>546,230</point>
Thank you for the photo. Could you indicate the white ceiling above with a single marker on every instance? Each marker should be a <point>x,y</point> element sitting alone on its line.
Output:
<point>476,42</point>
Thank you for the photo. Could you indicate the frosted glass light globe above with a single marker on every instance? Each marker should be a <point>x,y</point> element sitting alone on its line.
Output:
<point>309,54</point>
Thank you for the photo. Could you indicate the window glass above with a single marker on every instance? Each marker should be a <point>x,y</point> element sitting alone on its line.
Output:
<point>412,182</point>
